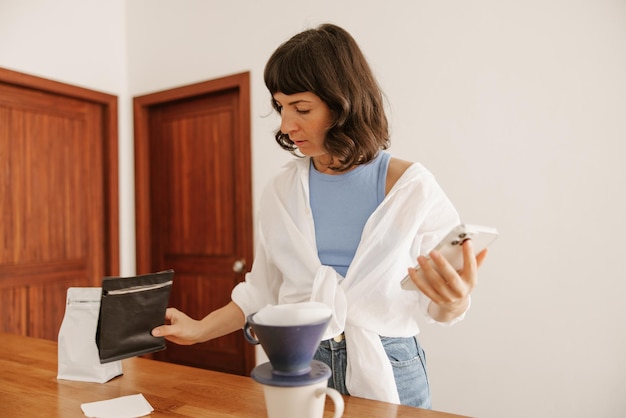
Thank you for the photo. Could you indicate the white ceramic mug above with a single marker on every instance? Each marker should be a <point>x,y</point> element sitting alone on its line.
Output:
<point>301,401</point>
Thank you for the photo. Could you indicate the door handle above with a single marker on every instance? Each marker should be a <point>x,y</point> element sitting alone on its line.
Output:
<point>239,265</point>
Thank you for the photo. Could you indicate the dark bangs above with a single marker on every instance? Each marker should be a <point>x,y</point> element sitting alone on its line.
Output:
<point>286,70</point>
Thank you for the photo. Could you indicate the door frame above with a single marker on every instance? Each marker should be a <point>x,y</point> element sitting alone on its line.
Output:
<point>108,104</point>
<point>141,111</point>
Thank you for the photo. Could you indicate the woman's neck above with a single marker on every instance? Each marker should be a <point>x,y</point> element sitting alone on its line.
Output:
<point>324,164</point>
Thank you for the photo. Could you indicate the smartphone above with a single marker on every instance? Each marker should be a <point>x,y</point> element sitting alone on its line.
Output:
<point>450,246</point>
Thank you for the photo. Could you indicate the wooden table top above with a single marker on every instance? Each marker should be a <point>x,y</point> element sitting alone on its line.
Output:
<point>29,388</point>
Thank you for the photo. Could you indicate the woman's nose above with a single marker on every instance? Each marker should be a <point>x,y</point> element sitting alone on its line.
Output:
<point>287,124</point>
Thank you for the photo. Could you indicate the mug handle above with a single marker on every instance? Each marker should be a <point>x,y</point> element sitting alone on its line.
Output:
<point>336,398</point>
<point>248,334</point>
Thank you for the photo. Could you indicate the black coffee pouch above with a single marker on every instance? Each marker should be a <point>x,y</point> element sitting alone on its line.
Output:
<point>129,309</point>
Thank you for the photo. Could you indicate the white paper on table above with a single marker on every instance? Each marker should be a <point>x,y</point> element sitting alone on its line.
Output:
<point>131,406</point>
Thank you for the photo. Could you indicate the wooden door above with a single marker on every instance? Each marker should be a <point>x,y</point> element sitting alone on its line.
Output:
<point>58,198</point>
<point>193,187</point>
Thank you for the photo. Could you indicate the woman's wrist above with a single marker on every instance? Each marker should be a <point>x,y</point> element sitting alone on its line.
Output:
<point>448,311</point>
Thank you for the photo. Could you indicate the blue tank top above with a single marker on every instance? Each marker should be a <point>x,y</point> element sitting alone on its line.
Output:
<point>341,205</point>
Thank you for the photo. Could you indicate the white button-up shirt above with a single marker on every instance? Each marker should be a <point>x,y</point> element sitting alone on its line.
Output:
<point>369,301</point>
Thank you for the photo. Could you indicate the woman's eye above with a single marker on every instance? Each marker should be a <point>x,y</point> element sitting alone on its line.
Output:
<point>302,111</point>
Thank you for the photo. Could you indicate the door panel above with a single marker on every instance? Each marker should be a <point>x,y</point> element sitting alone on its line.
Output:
<point>195,180</point>
<point>198,186</point>
<point>53,153</point>
<point>14,303</point>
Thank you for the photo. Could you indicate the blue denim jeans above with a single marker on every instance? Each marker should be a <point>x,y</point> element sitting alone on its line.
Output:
<point>407,359</point>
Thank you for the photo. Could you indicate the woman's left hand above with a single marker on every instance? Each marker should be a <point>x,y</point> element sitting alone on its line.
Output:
<point>447,288</point>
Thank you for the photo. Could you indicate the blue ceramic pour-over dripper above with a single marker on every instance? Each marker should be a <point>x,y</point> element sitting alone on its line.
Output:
<point>290,348</point>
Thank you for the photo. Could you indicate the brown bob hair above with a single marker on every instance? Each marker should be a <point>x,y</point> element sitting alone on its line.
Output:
<point>328,62</point>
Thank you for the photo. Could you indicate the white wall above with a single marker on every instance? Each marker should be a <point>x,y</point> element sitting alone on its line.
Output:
<point>518,108</point>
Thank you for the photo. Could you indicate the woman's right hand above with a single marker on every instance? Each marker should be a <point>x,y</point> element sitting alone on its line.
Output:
<point>179,328</point>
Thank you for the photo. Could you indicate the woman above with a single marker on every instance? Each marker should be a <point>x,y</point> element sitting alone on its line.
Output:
<point>341,225</point>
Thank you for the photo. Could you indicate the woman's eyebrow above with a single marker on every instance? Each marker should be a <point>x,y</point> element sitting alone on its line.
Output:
<point>295,102</point>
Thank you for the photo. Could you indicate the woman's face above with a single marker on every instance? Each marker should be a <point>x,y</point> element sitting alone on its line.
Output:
<point>306,119</point>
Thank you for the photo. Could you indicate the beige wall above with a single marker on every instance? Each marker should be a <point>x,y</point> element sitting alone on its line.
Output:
<point>517,107</point>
